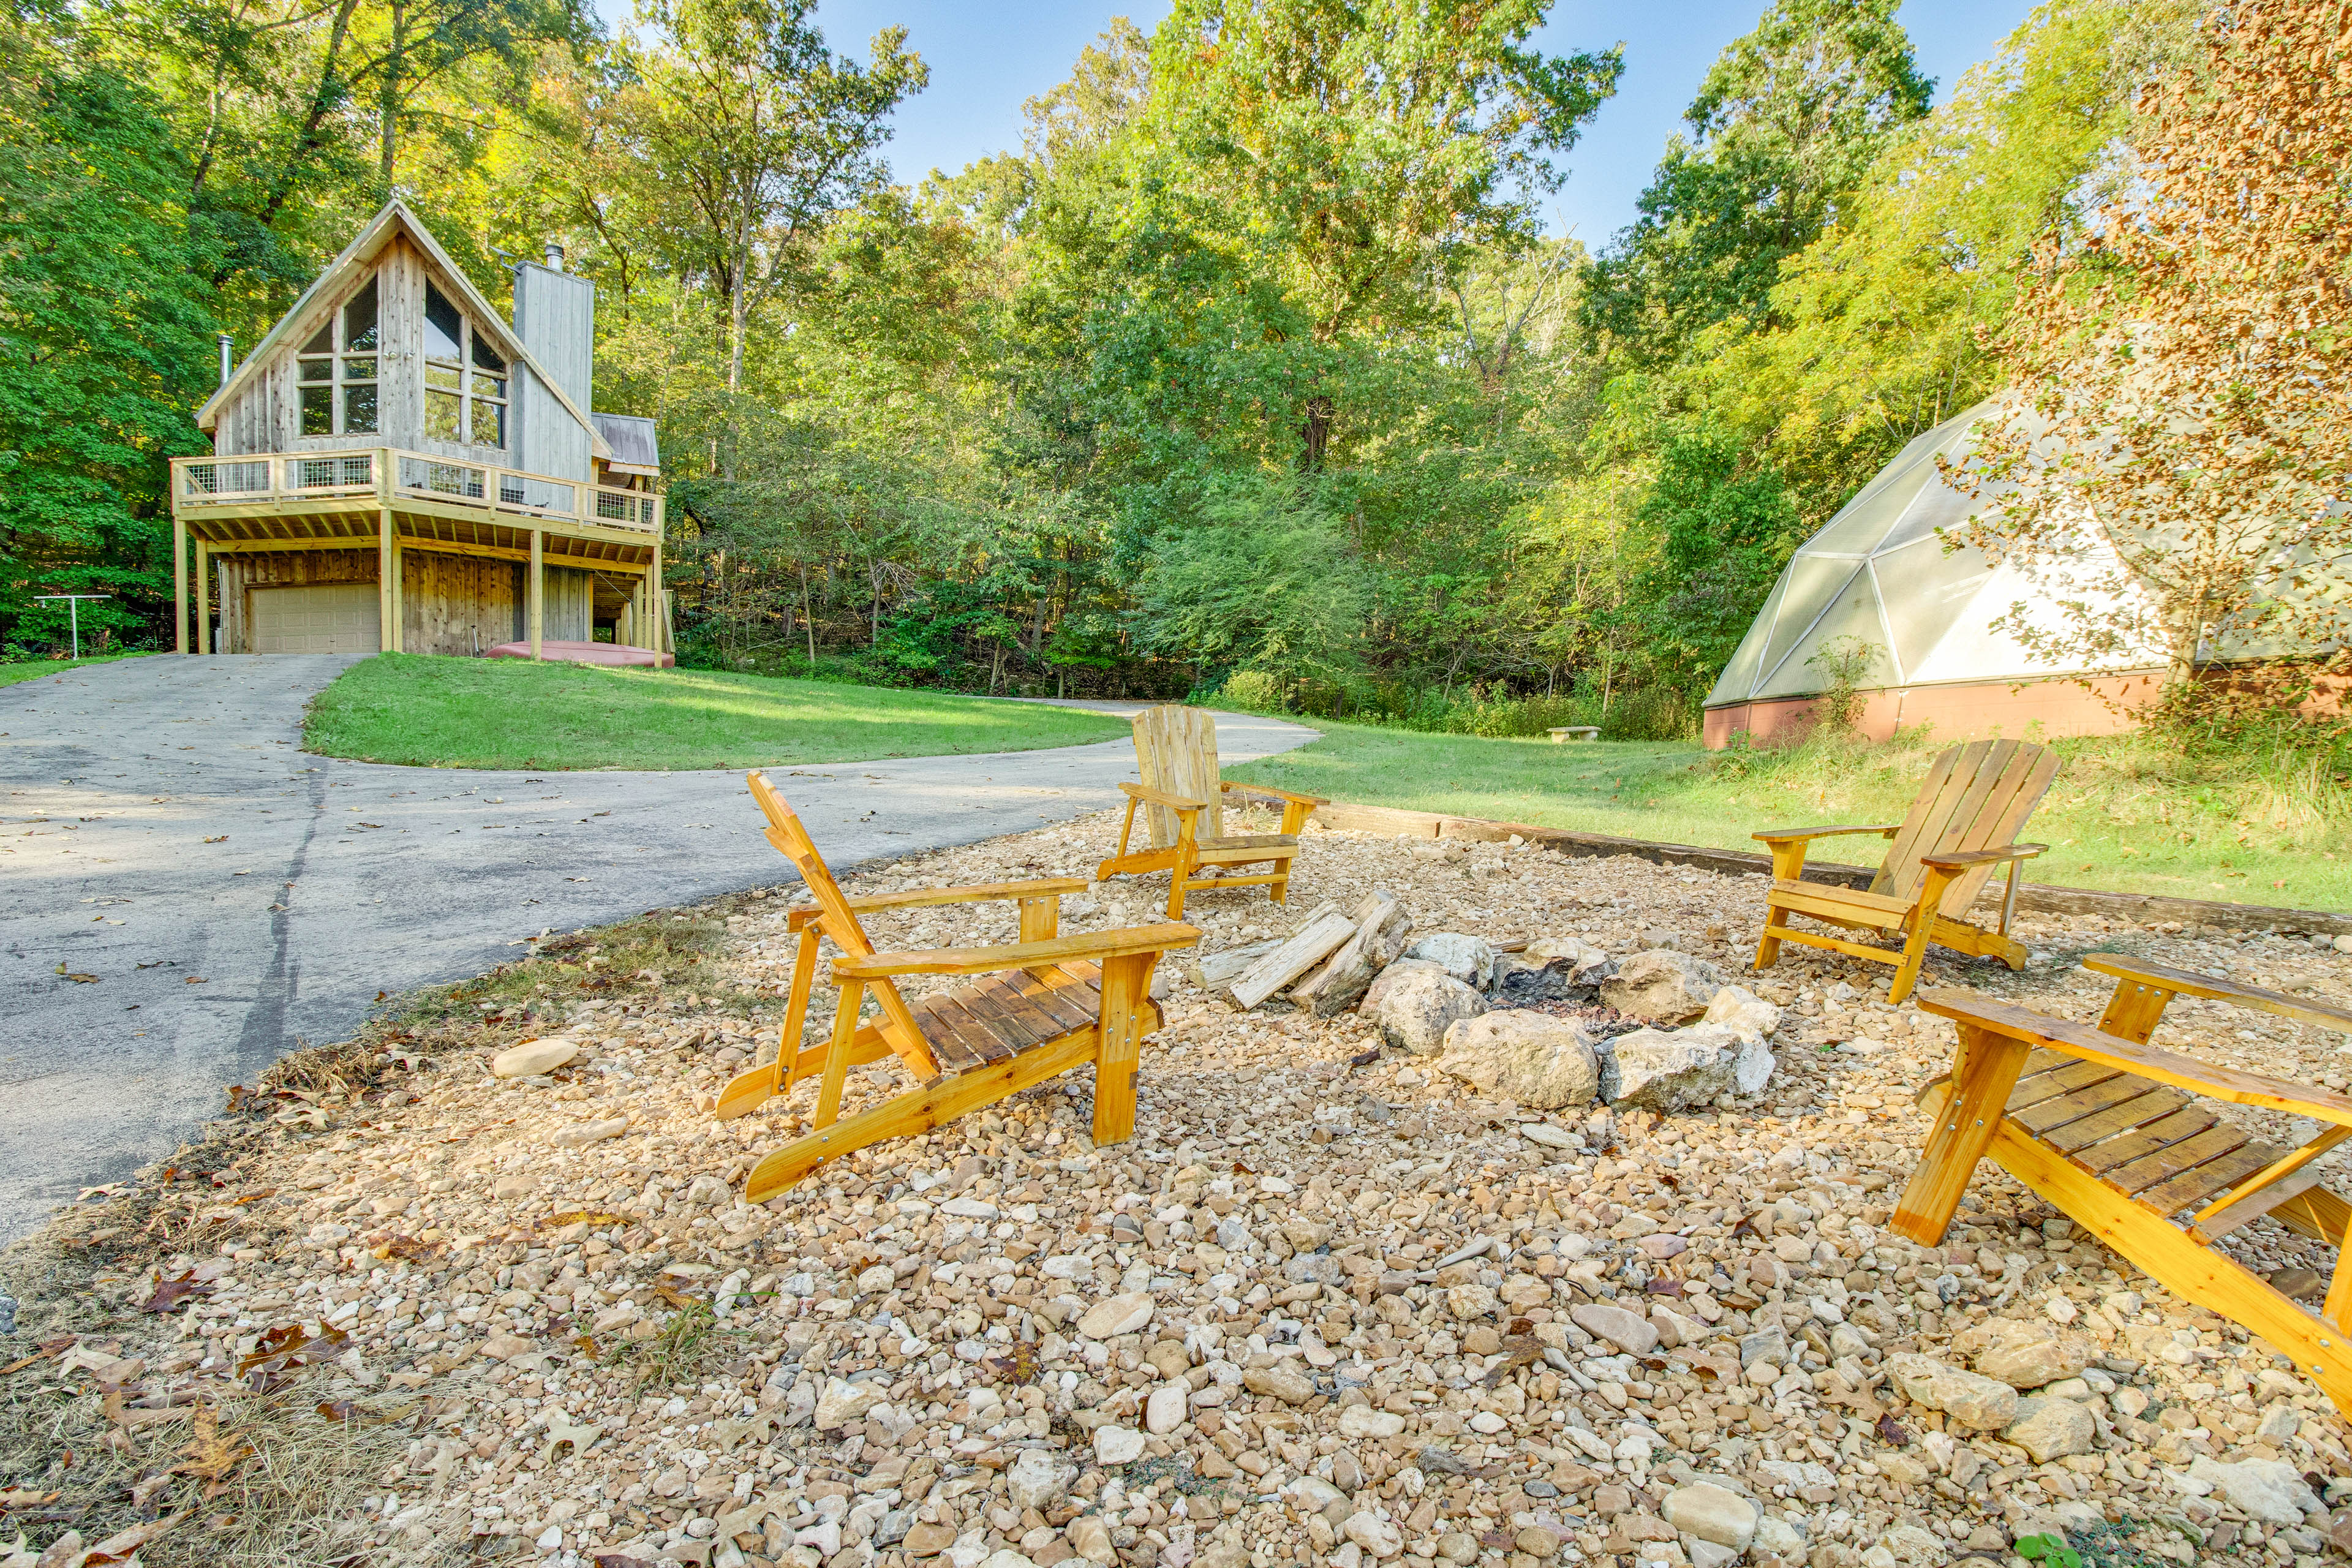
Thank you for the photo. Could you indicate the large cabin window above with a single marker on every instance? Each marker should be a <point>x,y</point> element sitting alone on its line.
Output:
<point>464,378</point>
<point>337,371</point>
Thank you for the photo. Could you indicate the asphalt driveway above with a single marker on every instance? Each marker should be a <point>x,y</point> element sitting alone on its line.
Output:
<point>184,895</point>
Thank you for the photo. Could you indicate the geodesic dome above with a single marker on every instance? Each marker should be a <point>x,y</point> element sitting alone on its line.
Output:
<point>1877,572</point>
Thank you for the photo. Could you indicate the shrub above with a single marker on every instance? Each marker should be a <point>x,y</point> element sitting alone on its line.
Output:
<point>1253,690</point>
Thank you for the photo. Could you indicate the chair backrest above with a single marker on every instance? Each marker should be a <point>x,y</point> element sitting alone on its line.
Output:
<point>1975,797</point>
<point>1176,751</point>
<point>836,920</point>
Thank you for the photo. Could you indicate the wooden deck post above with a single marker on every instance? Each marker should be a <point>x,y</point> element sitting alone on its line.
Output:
<point>657,632</point>
<point>383,570</point>
<point>179,584</point>
<point>202,596</point>
<point>399,598</point>
<point>538,586</point>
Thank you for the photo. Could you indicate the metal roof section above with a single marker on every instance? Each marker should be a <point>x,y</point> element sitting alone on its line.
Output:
<point>636,448</point>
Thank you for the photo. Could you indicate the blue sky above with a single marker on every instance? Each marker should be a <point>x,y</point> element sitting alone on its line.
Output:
<point>986,59</point>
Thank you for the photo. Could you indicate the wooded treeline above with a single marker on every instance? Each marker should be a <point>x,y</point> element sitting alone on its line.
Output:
<point>1256,362</point>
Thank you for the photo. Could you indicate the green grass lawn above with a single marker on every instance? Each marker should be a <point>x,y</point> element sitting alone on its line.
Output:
<point>512,713</point>
<point>2127,812</point>
<point>34,668</point>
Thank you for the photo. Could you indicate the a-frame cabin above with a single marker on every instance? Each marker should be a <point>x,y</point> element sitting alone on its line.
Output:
<point>396,469</point>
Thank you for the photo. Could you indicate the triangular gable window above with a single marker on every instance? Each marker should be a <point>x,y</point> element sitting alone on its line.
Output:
<point>464,378</point>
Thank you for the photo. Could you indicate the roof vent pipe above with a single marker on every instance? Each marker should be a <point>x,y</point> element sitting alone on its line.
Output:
<point>228,356</point>
<point>554,256</point>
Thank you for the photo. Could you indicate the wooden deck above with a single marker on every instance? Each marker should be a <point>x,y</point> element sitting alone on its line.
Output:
<point>394,501</point>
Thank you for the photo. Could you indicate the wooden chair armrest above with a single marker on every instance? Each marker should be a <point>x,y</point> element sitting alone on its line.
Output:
<point>801,915</point>
<point>2087,1044</point>
<point>1290,795</point>
<point>1096,946</point>
<point>1150,796</point>
<point>1961,859</point>
<point>2186,983</point>
<point>1788,834</point>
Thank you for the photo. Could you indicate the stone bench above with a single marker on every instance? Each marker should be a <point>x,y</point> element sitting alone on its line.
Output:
<point>1575,733</point>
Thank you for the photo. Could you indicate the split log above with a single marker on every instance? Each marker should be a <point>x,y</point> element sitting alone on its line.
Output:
<point>1216,970</point>
<point>1325,927</point>
<point>1382,929</point>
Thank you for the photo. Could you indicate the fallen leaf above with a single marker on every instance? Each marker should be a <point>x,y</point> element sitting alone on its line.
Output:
<point>170,1293</point>
<point>217,838</point>
<point>409,1247</point>
<point>211,1457</point>
<point>77,978</point>
<point>1891,1434</point>
<point>193,980</point>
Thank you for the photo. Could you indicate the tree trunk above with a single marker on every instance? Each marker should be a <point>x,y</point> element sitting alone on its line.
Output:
<point>388,101</point>
<point>1317,434</point>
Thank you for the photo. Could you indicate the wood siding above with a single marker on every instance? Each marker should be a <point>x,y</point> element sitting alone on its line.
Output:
<point>264,415</point>
<point>459,604</point>
<point>568,614</point>
<point>555,316</point>
<point>238,573</point>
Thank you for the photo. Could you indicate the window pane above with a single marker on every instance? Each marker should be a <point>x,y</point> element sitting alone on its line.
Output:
<point>435,376</point>
<point>358,369</point>
<point>359,319</point>
<point>318,411</point>
<point>322,342</point>
<point>443,326</point>
<point>489,423</point>
<point>488,386</point>
<point>359,410</point>
<point>318,369</point>
<point>486,357</point>
<point>441,413</point>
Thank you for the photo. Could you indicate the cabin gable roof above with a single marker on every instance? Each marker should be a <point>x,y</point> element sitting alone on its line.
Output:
<point>395,221</point>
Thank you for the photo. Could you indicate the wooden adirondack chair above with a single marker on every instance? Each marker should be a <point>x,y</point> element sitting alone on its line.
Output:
<point>2117,1133</point>
<point>1176,753</point>
<point>1063,1001</point>
<point>1959,828</point>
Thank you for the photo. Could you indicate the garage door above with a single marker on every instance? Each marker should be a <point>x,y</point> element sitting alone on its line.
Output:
<point>321,618</point>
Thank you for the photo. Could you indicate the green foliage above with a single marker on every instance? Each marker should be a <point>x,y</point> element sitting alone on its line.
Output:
<point>1783,130</point>
<point>1265,582</point>
<point>1725,525</point>
<point>104,337</point>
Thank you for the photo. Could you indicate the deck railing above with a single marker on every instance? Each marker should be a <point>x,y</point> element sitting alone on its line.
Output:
<point>200,484</point>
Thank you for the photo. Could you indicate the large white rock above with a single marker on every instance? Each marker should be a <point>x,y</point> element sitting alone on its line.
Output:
<point>532,1057</point>
<point>1968,1397</point>
<point>1037,1479</point>
<point>1682,1070</point>
<point>1740,1010</point>
<point>1712,1513</point>
<point>2267,1490</point>
<point>1117,1445</point>
<point>1629,1331</point>
<point>1663,986</point>
<point>1532,1057</point>
<point>1165,1410</point>
<point>1415,1003</point>
<point>843,1403</point>
<point>1376,1535</point>
<point>2023,1353</point>
<point>1120,1315</point>
<point>2052,1428</point>
<point>1360,1421</point>
<point>1469,959</point>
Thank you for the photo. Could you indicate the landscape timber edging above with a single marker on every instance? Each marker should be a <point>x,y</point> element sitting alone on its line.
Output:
<point>2037,897</point>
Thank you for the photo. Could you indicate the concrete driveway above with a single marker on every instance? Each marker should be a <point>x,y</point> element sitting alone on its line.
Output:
<point>229,897</point>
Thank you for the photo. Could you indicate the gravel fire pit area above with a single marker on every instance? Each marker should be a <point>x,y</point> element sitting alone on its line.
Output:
<point>1565,1244</point>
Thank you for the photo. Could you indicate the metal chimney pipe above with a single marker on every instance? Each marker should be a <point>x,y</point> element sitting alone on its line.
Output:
<point>554,256</point>
<point>228,356</point>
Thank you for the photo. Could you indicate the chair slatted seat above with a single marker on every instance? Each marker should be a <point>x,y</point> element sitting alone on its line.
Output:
<point>1182,800</point>
<point>1960,830</point>
<point>2130,1140</point>
<point>1025,1012</point>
